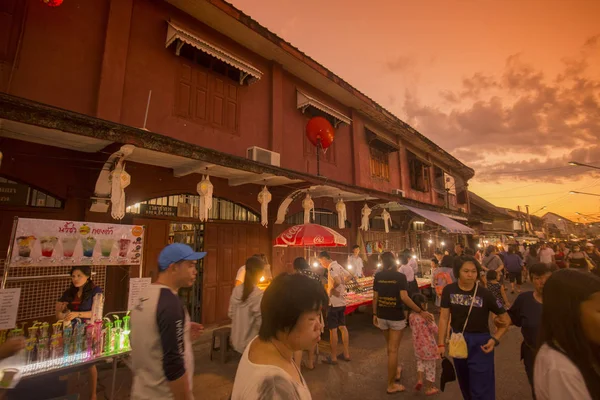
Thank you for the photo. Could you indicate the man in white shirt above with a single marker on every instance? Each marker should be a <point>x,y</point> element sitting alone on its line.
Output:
<point>336,320</point>
<point>546,254</point>
<point>161,342</point>
<point>356,262</point>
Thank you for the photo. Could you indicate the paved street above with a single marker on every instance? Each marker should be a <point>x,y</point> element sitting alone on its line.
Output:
<point>363,378</point>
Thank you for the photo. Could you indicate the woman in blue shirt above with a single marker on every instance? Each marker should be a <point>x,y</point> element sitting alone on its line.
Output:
<point>76,302</point>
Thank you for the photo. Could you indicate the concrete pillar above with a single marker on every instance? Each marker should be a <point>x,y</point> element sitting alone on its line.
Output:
<point>276,137</point>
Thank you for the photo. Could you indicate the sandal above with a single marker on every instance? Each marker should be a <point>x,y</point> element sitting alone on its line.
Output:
<point>329,361</point>
<point>399,388</point>
<point>419,386</point>
<point>432,391</point>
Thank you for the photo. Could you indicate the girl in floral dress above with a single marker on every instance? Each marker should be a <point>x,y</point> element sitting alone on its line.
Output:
<point>424,335</point>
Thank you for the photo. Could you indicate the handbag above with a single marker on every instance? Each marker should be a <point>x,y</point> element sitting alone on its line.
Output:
<point>457,347</point>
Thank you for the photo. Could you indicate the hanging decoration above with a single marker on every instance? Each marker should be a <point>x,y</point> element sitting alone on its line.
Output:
<point>205,190</point>
<point>119,180</point>
<point>387,220</point>
<point>340,207</point>
<point>52,3</point>
<point>264,198</point>
<point>366,212</point>
<point>308,204</point>
<point>321,134</point>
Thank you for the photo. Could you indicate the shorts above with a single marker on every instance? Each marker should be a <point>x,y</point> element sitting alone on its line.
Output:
<point>385,324</point>
<point>336,317</point>
<point>515,276</point>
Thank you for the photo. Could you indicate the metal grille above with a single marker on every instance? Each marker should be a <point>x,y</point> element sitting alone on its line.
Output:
<point>41,287</point>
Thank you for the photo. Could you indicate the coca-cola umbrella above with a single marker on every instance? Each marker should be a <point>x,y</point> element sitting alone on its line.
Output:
<point>310,235</point>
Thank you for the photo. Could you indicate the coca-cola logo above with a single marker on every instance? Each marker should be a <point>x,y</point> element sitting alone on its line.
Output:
<point>319,239</point>
<point>289,236</point>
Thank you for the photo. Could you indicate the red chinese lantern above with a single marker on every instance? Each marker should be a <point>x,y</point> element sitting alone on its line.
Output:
<point>52,3</point>
<point>318,128</point>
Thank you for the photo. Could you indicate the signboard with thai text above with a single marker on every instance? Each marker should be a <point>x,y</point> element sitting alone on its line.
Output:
<point>39,242</point>
<point>13,194</point>
<point>159,211</point>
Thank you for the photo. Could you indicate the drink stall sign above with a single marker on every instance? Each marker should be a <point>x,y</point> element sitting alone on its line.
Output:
<point>40,242</point>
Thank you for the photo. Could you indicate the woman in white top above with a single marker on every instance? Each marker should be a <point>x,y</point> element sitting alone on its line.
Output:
<point>291,309</point>
<point>406,269</point>
<point>567,365</point>
<point>244,306</point>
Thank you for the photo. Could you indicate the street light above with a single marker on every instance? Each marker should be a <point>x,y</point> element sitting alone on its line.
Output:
<point>578,164</point>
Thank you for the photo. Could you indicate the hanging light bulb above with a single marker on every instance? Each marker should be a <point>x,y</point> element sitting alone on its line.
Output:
<point>397,262</point>
<point>349,266</point>
<point>378,265</point>
<point>315,264</point>
<point>414,256</point>
<point>443,243</point>
<point>430,241</point>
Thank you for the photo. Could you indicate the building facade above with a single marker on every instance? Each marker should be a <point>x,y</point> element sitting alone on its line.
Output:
<point>199,88</point>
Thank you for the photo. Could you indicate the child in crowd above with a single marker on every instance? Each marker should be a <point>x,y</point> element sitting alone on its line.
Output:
<point>425,342</point>
<point>497,289</point>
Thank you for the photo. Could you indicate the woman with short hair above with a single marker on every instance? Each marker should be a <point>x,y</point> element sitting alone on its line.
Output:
<point>290,308</point>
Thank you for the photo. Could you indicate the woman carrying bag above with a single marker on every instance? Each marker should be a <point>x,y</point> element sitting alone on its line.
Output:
<point>467,304</point>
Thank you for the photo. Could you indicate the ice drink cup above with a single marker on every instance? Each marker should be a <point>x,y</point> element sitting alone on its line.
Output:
<point>88,245</point>
<point>68,244</point>
<point>124,247</point>
<point>106,246</point>
<point>25,245</point>
<point>8,374</point>
<point>48,243</point>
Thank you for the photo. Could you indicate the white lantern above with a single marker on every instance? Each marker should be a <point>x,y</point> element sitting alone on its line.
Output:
<point>308,204</point>
<point>120,179</point>
<point>366,212</point>
<point>340,207</point>
<point>264,198</point>
<point>205,190</point>
<point>387,220</point>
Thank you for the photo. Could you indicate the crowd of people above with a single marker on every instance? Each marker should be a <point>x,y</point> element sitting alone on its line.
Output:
<point>272,329</point>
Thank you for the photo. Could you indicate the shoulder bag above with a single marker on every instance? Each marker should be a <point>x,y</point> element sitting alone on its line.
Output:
<point>457,347</point>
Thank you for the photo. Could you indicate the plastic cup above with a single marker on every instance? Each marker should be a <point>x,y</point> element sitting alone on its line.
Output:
<point>25,244</point>
<point>106,246</point>
<point>8,374</point>
<point>124,247</point>
<point>48,243</point>
<point>88,245</point>
<point>68,244</point>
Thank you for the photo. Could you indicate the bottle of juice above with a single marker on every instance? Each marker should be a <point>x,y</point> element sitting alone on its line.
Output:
<point>43,343</point>
<point>108,337</point>
<point>31,343</point>
<point>67,342</point>
<point>126,332</point>
<point>117,334</point>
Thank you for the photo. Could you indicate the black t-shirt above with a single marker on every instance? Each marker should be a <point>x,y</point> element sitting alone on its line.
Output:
<point>526,313</point>
<point>388,285</point>
<point>459,302</point>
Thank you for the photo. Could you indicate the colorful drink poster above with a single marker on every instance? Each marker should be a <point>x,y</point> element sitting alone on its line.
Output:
<point>40,242</point>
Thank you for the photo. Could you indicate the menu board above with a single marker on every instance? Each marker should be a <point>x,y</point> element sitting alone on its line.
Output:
<point>136,287</point>
<point>40,242</point>
<point>9,305</point>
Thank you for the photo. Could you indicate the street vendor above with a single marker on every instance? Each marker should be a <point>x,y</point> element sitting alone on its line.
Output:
<point>356,262</point>
<point>76,302</point>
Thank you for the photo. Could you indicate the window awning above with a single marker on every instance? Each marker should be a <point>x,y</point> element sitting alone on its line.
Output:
<point>177,33</point>
<point>450,225</point>
<point>303,101</point>
<point>379,141</point>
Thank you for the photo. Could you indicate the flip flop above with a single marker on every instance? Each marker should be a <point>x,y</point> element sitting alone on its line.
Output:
<point>400,390</point>
<point>342,357</point>
<point>419,386</point>
<point>329,361</point>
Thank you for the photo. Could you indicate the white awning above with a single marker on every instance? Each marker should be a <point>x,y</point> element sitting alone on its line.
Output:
<point>450,225</point>
<point>303,100</point>
<point>176,32</point>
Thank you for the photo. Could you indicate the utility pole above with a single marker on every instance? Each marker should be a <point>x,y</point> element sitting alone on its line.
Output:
<point>529,219</point>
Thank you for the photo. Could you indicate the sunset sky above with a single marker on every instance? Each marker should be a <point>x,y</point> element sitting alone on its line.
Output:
<point>511,88</point>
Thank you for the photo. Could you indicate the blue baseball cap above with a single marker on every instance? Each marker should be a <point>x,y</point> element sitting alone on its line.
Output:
<point>177,252</point>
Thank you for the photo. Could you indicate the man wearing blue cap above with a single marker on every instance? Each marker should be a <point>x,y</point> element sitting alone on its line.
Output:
<point>162,334</point>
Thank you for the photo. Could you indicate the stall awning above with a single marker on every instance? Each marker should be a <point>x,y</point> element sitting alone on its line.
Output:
<point>450,225</point>
<point>176,32</point>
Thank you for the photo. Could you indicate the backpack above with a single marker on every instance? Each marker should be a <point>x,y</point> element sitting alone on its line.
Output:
<point>441,280</point>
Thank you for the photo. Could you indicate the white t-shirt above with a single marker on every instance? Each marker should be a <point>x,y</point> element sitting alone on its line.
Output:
<point>408,272</point>
<point>241,274</point>
<point>161,347</point>
<point>336,270</point>
<point>414,265</point>
<point>357,265</point>
<point>245,317</point>
<point>262,382</point>
<point>546,255</point>
<point>555,377</point>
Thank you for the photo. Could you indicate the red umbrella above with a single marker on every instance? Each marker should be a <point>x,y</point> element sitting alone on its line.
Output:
<point>310,235</point>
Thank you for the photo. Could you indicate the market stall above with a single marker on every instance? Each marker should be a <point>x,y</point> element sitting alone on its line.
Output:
<point>64,346</point>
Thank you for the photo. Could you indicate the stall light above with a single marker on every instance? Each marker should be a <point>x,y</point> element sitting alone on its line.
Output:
<point>478,245</point>
<point>397,262</point>
<point>443,243</point>
<point>349,266</point>
<point>415,257</point>
<point>136,205</point>
<point>378,265</point>
<point>262,278</point>
<point>315,264</point>
<point>420,222</point>
<point>430,241</point>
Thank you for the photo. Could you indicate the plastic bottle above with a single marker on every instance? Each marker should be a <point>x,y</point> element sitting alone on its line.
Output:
<point>108,339</point>
<point>117,334</point>
<point>126,331</point>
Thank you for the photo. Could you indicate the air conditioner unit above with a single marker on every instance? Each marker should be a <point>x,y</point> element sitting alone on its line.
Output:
<point>398,192</point>
<point>263,156</point>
